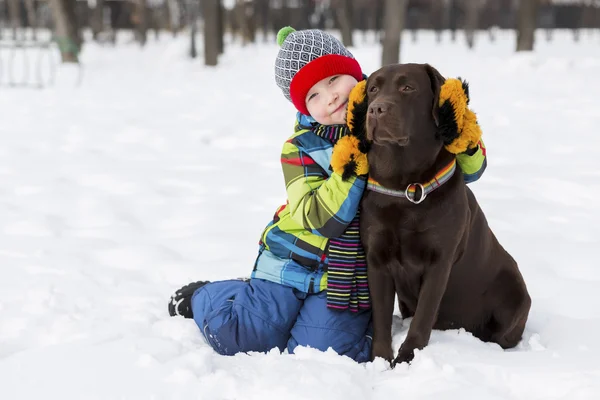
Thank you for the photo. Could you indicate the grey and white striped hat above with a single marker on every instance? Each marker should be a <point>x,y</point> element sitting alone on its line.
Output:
<point>307,56</point>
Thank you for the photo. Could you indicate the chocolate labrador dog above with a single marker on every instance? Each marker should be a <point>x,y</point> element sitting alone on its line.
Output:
<point>436,252</point>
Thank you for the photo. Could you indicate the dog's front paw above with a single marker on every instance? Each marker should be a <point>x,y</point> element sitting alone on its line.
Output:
<point>405,354</point>
<point>347,159</point>
<point>383,350</point>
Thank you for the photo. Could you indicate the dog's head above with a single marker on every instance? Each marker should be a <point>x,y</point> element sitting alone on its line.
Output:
<point>402,106</point>
<point>413,105</point>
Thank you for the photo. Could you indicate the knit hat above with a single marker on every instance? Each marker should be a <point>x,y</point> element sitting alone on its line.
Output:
<point>306,57</point>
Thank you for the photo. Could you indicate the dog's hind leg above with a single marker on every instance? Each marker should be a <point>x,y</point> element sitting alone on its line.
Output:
<point>511,308</point>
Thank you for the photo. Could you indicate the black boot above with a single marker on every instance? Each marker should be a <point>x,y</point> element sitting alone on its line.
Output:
<point>181,301</point>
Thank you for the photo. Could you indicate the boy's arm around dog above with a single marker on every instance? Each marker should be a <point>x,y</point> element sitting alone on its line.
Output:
<point>322,203</point>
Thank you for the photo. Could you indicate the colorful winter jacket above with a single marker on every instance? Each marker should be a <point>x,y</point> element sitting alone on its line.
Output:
<point>293,246</point>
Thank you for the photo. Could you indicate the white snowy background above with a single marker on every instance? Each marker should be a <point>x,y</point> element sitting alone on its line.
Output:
<point>156,171</point>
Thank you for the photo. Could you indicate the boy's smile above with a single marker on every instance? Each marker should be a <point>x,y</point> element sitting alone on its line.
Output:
<point>342,107</point>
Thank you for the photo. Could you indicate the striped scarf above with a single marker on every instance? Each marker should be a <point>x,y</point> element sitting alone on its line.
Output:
<point>347,286</point>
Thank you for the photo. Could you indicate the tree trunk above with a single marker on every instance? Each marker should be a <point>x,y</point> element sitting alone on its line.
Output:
<point>176,10</point>
<point>97,19</point>
<point>211,32</point>
<point>263,17</point>
<point>303,12</point>
<point>344,15</point>
<point>576,21</point>
<point>526,24</point>
<point>440,13</point>
<point>31,17</point>
<point>372,23</point>
<point>471,21</point>
<point>14,14</point>
<point>393,23</point>
<point>244,13</point>
<point>192,14</point>
<point>153,21</point>
<point>239,15</point>
<point>67,34</point>
<point>220,26</point>
<point>452,19</point>
<point>140,20</point>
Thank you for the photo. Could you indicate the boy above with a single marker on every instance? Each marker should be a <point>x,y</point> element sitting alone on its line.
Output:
<point>308,286</point>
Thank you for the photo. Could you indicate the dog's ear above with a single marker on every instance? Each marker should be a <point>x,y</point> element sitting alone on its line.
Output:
<point>437,80</point>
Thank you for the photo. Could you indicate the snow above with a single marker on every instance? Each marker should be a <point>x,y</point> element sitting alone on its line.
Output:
<point>156,171</point>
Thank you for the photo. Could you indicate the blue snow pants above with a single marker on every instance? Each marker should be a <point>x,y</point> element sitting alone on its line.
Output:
<point>236,316</point>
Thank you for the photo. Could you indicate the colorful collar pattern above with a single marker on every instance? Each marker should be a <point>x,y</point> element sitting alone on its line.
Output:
<point>410,193</point>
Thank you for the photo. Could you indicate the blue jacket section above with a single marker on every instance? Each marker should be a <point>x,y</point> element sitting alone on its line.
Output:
<point>236,316</point>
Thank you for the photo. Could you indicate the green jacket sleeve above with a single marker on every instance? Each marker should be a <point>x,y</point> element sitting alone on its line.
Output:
<point>322,204</point>
<point>473,166</point>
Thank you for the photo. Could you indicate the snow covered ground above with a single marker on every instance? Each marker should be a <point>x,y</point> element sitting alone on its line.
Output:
<point>156,171</point>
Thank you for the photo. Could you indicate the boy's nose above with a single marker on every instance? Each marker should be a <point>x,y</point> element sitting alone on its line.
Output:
<point>333,98</point>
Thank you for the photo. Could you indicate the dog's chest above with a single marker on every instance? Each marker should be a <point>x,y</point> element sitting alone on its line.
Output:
<point>402,241</point>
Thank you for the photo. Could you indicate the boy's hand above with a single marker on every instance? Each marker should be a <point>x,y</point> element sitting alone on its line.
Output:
<point>347,160</point>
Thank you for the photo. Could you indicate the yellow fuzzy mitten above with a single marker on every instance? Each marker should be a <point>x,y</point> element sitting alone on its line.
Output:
<point>349,156</point>
<point>347,160</point>
<point>357,109</point>
<point>458,125</point>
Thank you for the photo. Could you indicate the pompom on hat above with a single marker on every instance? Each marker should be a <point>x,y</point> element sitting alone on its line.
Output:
<point>307,56</point>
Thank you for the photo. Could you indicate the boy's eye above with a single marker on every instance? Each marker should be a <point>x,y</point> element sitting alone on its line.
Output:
<point>311,96</point>
<point>333,78</point>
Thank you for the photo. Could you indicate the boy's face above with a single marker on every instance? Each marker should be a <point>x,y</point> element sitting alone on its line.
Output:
<point>327,100</point>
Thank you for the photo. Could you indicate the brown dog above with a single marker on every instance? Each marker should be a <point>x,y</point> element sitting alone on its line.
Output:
<point>439,256</point>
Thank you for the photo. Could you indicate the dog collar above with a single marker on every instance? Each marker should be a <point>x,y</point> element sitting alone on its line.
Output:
<point>410,192</point>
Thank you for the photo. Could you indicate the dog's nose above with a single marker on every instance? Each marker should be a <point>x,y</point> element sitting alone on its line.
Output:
<point>377,109</point>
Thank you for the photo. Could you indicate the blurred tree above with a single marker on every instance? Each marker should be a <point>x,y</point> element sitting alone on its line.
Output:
<point>220,26</point>
<point>140,21</point>
<point>526,24</point>
<point>140,18</point>
<point>31,17</point>
<point>491,13</point>
<point>67,33</point>
<point>439,12</point>
<point>246,20</point>
<point>262,14</point>
<point>343,10</point>
<point>472,9</point>
<point>14,14</point>
<point>393,23</point>
<point>191,11</point>
<point>412,20</point>
<point>576,19</point>
<point>453,17</point>
<point>211,14</point>
<point>97,19</point>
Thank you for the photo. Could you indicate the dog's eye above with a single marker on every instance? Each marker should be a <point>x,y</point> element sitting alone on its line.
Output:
<point>373,89</point>
<point>407,88</point>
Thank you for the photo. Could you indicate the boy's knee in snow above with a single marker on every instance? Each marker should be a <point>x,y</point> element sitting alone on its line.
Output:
<point>239,317</point>
<point>357,347</point>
